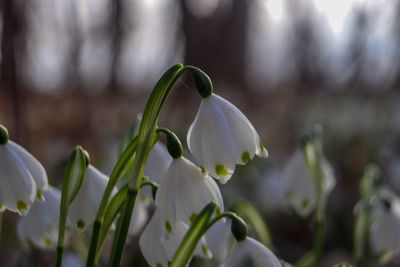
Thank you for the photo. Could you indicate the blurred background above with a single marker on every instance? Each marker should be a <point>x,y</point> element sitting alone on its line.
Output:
<point>79,71</point>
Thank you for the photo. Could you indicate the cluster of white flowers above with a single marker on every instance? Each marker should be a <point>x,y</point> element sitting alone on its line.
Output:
<point>219,138</point>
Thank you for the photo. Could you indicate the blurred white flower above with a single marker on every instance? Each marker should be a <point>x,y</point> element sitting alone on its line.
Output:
<point>22,177</point>
<point>40,226</point>
<point>71,260</point>
<point>184,191</point>
<point>385,228</point>
<point>221,137</point>
<point>157,163</point>
<point>83,208</point>
<point>250,252</point>
<point>271,192</point>
<point>299,185</point>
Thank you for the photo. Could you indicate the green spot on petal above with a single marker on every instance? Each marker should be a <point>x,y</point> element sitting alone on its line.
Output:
<point>218,211</point>
<point>204,250</point>
<point>168,227</point>
<point>203,170</point>
<point>306,203</point>
<point>245,157</point>
<point>221,170</point>
<point>80,224</point>
<point>2,207</point>
<point>39,194</point>
<point>47,242</point>
<point>192,217</point>
<point>21,206</point>
<point>159,264</point>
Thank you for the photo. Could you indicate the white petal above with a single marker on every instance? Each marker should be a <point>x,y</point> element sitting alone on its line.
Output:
<point>171,244</point>
<point>158,162</point>
<point>250,249</point>
<point>165,198</point>
<point>83,208</point>
<point>219,239</point>
<point>299,185</point>
<point>222,136</point>
<point>139,216</point>
<point>17,187</point>
<point>71,260</point>
<point>210,142</point>
<point>150,243</point>
<point>34,166</point>
<point>40,226</point>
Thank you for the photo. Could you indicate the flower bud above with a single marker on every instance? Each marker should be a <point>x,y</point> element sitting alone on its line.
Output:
<point>3,135</point>
<point>238,228</point>
<point>203,83</point>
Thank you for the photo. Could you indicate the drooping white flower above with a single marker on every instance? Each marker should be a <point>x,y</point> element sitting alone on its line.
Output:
<point>219,240</point>
<point>40,226</point>
<point>221,137</point>
<point>172,243</point>
<point>22,177</point>
<point>250,252</point>
<point>184,191</point>
<point>150,242</point>
<point>157,163</point>
<point>83,208</point>
<point>300,186</point>
<point>159,250</point>
<point>385,228</point>
<point>139,214</point>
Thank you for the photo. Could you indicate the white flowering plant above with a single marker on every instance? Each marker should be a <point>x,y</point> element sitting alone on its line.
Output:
<point>189,217</point>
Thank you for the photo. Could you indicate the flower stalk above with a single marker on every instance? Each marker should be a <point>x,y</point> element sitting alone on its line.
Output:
<point>66,197</point>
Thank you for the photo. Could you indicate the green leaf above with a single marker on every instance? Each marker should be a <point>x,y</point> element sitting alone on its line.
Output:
<point>256,222</point>
<point>192,237</point>
<point>308,260</point>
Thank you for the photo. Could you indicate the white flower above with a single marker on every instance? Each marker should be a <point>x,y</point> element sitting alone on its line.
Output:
<point>157,163</point>
<point>250,252</point>
<point>40,226</point>
<point>22,178</point>
<point>139,214</point>
<point>221,137</point>
<point>184,191</point>
<point>219,239</point>
<point>83,208</point>
<point>71,260</point>
<point>385,228</point>
<point>157,250</point>
<point>150,243</point>
<point>300,186</point>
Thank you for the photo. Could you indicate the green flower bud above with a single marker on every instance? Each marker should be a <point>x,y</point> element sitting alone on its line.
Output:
<point>3,135</point>
<point>203,83</point>
<point>238,228</point>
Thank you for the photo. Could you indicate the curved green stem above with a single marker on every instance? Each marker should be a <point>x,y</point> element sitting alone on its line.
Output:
<point>66,197</point>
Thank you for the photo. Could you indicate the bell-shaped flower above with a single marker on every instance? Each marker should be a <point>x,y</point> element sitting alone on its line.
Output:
<point>184,191</point>
<point>83,208</point>
<point>158,250</point>
<point>157,163</point>
<point>150,242</point>
<point>221,137</point>
<point>139,214</point>
<point>40,226</point>
<point>22,177</point>
<point>250,252</point>
<point>219,240</point>
<point>300,187</point>
<point>385,228</point>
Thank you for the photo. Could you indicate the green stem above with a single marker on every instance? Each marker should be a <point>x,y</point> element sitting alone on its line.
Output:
<point>1,223</point>
<point>65,200</point>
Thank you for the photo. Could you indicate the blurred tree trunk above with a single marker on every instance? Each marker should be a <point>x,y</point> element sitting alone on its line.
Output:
<point>13,30</point>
